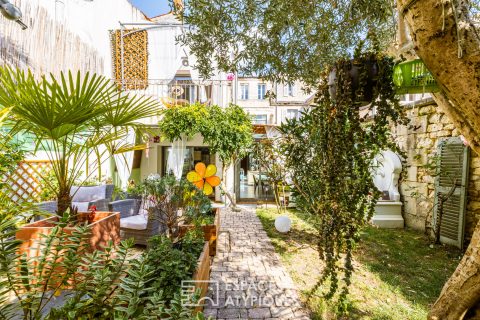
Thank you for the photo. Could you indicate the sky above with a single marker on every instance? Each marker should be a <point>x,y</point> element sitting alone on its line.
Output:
<point>152,8</point>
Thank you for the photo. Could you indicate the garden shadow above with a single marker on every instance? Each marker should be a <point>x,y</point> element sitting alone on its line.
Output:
<point>405,260</point>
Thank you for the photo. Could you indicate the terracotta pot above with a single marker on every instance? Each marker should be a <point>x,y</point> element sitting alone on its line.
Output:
<point>105,227</point>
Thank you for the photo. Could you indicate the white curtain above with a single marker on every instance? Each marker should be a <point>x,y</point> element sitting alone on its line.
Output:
<point>176,158</point>
<point>124,161</point>
<point>168,55</point>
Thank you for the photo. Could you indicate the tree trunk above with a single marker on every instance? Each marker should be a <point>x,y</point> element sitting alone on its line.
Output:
<point>64,201</point>
<point>224,187</point>
<point>452,56</point>
<point>462,290</point>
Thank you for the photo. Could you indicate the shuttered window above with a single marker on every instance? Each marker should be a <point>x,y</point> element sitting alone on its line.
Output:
<point>450,185</point>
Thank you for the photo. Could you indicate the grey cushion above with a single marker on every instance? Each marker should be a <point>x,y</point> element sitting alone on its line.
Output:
<point>81,206</point>
<point>87,194</point>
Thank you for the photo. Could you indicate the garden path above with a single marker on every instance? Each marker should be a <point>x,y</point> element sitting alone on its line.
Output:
<point>247,279</point>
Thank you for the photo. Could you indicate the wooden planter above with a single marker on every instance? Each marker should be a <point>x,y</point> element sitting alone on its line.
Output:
<point>202,274</point>
<point>104,228</point>
<point>210,231</point>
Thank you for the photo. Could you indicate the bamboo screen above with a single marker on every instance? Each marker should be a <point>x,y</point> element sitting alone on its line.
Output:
<point>135,58</point>
<point>46,46</point>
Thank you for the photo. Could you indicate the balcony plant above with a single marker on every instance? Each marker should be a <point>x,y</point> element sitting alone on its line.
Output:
<point>74,117</point>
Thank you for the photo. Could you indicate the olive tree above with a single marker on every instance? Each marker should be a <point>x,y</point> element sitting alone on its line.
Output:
<point>293,39</point>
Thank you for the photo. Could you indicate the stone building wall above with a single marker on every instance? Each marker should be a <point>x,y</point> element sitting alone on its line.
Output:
<point>419,140</point>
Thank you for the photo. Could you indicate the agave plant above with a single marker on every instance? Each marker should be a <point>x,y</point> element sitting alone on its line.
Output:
<point>74,116</point>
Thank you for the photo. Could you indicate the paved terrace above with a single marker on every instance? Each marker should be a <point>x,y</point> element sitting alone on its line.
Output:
<point>248,280</point>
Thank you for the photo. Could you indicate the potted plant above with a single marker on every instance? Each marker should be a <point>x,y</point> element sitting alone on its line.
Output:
<point>102,228</point>
<point>361,73</point>
<point>72,119</point>
<point>198,208</point>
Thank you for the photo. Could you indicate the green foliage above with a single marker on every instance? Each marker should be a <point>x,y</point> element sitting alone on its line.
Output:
<point>184,120</point>
<point>330,151</point>
<point>229,133</point>
<point>173,262</point>
<point>48,185</point>
<point>281,40</point>
<point>97,285</point>
<point>74,117</point>
<point>11,154</point>
<point>167,196</point>
<point>270,158</point>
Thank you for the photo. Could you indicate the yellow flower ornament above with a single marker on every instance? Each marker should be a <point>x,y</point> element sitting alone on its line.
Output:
<point>204,178</point>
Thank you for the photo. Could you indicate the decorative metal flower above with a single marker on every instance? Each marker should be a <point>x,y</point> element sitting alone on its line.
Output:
<point>204,178</point>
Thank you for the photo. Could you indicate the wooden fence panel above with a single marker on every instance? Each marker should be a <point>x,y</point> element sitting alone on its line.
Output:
<point>24,183</point>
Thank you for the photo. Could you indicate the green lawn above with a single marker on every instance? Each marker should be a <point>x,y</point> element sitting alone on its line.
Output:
<point>397,274</point>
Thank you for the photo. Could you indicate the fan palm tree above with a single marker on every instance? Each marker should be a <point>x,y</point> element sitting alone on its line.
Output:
<point>73,116</point>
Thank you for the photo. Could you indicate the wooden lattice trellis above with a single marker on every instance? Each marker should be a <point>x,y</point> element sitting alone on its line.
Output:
<point>135,58</point>
<point>24,183</point>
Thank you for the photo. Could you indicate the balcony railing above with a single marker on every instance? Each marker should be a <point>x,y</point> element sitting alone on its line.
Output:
<point>181,92</point>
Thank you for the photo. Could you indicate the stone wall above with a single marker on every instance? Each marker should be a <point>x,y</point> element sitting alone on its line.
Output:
<point>419,140</point>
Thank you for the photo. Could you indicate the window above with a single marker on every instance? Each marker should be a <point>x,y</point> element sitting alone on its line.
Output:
<point>244,91</point>
<point>260,119</point>
<point>192,155</point>
<point>292,114</point>
<point>288,90</point>
<point>262,91</point>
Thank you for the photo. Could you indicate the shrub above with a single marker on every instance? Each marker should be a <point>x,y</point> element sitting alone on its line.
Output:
<point>167,195</point>
<point>98,285</point>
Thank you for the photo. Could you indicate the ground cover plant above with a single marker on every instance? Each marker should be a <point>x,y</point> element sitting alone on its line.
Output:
<point>95,285</point>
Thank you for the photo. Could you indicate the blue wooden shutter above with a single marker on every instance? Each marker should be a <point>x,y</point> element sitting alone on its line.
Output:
<point>452,169</point>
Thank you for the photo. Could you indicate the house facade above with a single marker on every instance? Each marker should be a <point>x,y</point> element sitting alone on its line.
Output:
<point>141,54</point>
<point>271,103</point>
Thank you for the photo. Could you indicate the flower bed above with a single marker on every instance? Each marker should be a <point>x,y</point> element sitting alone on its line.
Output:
<point>210,231</point>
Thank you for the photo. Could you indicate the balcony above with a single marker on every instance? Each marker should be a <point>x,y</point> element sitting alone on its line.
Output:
<point>181,92</point>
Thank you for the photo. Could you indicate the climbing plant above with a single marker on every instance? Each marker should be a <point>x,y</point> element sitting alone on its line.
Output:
<point>329,152</point>
<point>229,135</point>
<point>227,131</point>
<point>183,121</point>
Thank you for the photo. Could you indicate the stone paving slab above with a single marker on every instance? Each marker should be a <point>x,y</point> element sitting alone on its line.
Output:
<point>248,281</point>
